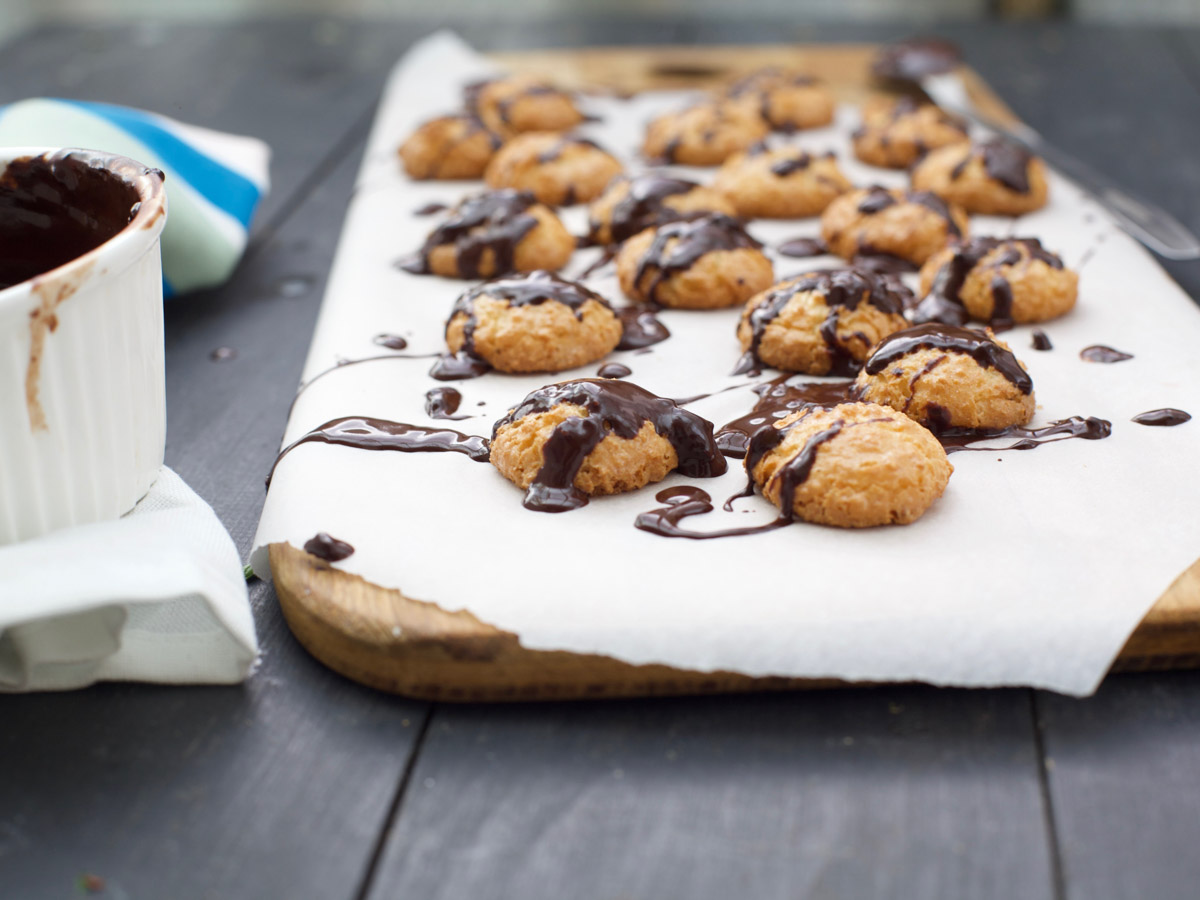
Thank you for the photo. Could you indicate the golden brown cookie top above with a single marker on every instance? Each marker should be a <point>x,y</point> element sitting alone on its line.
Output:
<point>631,204</point>
<point>449,147</point>
<point>512,104</point>
<point>705,134</point>
<point>492,221</point>
<point>982,347</point>
<point>943,301</point>
<point>610,407</point>
<point>897,133</point>
<point>838,289</point>
<point>677,246</point>
<point>560,169</point>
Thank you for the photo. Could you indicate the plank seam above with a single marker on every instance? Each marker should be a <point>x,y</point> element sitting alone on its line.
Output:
<point>1058,877</point>
<point>393,813</point>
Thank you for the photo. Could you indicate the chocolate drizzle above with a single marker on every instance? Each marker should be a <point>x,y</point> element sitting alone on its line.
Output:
<point>841,289</point>
<point>380,434</point>
<point>802,247</point>
<point>937,336</point>
<point>442,403</point>
<point>616,407</point>
<point>878,199</point>
<point>495,221</point>
<point>391,341</point>
<point>643,205</point>
<point>1089,429</point>
<point>944,302</point>
<point>642,328</point>
<point>1098,353</point>
<point>614,370</point>
<point>328,548</point>
<point>776,399</point>
<point>684,501</point>
<point>1005,161</point>
<point>430,208</point>
<point>1162,417</point>
<point>693,237</point>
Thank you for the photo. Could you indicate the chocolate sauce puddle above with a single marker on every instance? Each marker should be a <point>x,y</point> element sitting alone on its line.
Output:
<point>380,434</point>
<point>442,403</point>
<point>430,208</point>
<point>802,248</point>
<point>642,328</point>
<point>391,341</point>
<point>776,399</point>
<point>328,548</point>
<point>613,370</point>
<point>616,407</point>
<point>1041,340</point>
<point>1166,417</point>
<point>1098,353</point>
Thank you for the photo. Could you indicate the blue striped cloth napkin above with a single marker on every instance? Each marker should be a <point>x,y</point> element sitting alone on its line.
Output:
<point>214,181</point>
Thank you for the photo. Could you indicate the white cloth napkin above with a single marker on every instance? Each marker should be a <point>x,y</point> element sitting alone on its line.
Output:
<point>158,595</point>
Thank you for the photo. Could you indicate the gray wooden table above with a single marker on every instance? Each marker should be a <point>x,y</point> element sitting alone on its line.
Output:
<point>300,784</point>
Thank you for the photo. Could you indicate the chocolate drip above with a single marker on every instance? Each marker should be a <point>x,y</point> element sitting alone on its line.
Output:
<point>328,548</point>
<point>430,208</point>
<point>380,434</point>
<point>1098,353</point>
<point>777,399</point>
<point>609,254</point>
<point>1162,417</point>
<point>616,407</point>
<point>442,403</point>
<point>802,247</point>
<point>55,208</point>
<point>1004,161</point>
<point>841,289</point>
<point>530,289</point>
<point>694,237</point>
<point>985,351</point>
<point>642,328</point>
<point>784,167</point>
<point>944,302</point>
<point>877,200</point>
<point>1041,340</point>
<point>871,259</point>
<point>1088,429</point>
<point>391,341</point>
<point>496,221</point>
<point>614,370</point>
<point>644,206</point>
<point>913,59</point>
<point>684,501</point>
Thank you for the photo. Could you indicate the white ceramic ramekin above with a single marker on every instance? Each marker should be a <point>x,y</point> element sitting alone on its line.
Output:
<point>82,388</point>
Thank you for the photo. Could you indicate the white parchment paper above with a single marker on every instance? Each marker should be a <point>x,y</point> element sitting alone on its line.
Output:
<point>1033,569</point>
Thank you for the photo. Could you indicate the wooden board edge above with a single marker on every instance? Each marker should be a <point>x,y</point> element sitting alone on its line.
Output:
<point>379,637</point>
<point>382,638</point>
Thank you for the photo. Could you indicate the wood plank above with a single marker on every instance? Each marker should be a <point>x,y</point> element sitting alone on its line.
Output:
<point>897,792</point>
<point>384,639</point>
<point>279,787</point>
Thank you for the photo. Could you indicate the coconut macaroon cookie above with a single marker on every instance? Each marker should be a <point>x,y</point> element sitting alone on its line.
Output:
<point>853,466</point>
<point>568,441</point>
<point>559,169</point>
<point>634,203</point>
<point>822,323</point>
<point>705,134</point>
<point>706,261</point>
<point>895,134</point>
<point>908,225</point>
<point>532,323</point>
<point>493,233</point>
<point>998,280</point>
<point>449,147</point>
<point>788,100</point>
<point>520,103</point>
<point>995,177</point>
<point>944,377</point>
<point>781,183</point>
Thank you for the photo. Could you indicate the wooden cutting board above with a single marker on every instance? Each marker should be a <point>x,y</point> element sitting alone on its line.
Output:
<point>381,638</point>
